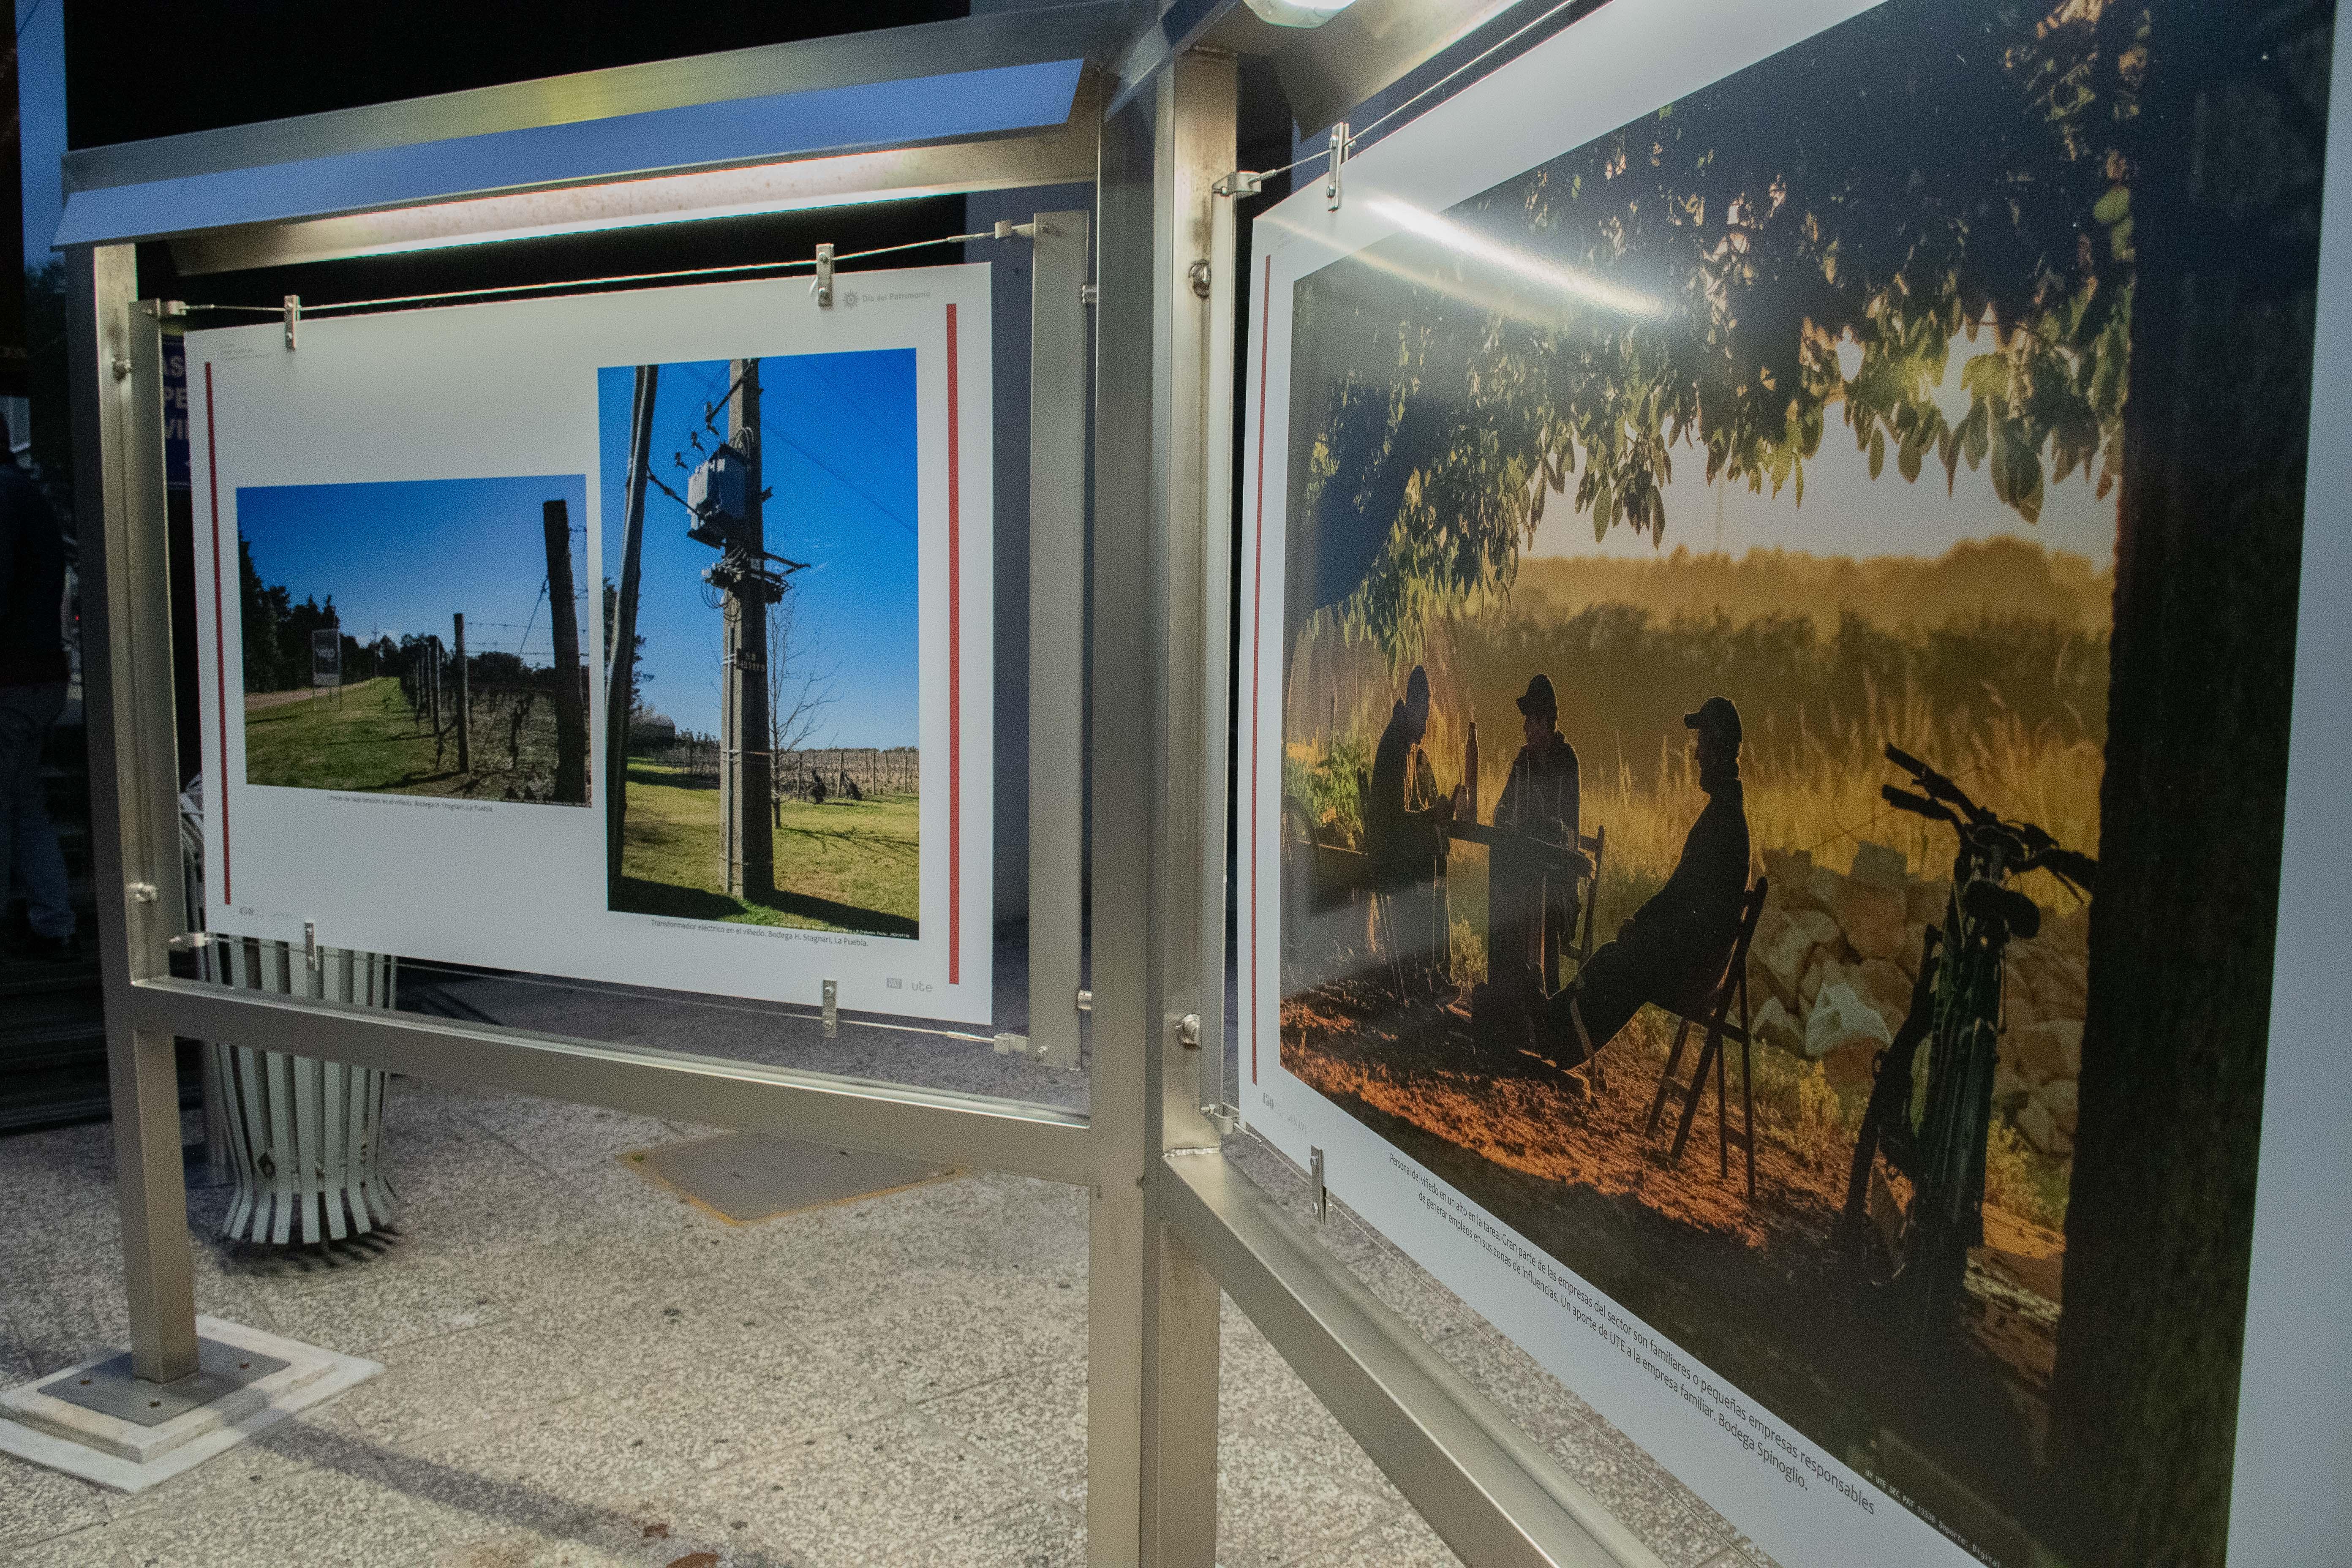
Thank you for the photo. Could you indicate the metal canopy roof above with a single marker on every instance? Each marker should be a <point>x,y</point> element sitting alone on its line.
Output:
<point>1004,74</point>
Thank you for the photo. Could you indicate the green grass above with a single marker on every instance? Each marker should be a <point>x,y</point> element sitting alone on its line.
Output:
<point>368,742</point>
<point>850,866</point>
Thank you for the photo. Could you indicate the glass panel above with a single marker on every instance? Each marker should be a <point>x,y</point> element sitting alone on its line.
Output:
<point>837,436</point>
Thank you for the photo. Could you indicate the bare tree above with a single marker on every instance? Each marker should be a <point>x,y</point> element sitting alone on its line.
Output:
<point>800,683</point>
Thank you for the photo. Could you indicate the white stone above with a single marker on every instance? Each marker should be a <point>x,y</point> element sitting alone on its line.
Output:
<point>1841,1018</point>
<point>1773,1026</point>
<point>1877,863</point>
<point>2041,1132</point>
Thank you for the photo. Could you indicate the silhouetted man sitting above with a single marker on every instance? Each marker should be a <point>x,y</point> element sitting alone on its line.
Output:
<point>1404,833</point>
<point>1676,946</point>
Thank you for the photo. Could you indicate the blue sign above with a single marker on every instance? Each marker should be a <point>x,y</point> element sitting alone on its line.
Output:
<point>175,414</point>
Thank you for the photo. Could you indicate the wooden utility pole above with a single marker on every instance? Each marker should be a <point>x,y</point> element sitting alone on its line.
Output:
<point>570,696</point>
<point>620,662</point>
<point>464,703</point>
<point>432,676</point>
<point>746,773</point>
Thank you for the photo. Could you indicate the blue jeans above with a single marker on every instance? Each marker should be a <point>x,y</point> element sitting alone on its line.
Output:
<point>28,840</point>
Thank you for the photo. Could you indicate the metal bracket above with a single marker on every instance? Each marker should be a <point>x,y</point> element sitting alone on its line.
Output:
<point>189,942</point>
<point>1188,1031</point>
<point>822,287</point>
<point>1086,1001</point>
<point>1090,294</point>
<point>1240,182</point>
<point>832,1009</point>
<point>1197,276</point>
<point>1226,1118</point>
<point>310,946</point>
<point>141,892</point>
<point>1322,1198</point>
<point>293,319</point>
<point>1007,229</point>
<point>1339,163</point>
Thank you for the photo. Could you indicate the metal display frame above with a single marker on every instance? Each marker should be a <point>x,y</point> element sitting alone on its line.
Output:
<point>1171,1222</point>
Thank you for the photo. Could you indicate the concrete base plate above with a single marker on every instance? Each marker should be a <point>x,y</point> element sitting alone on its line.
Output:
<point>113,1388</point>
<point>130,1456</point>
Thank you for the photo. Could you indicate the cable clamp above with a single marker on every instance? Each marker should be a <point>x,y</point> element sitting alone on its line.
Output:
<point>1339,162</point>
<point>822,284</point>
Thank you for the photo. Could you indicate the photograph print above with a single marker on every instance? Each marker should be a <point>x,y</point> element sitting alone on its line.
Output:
<point>1787,621</point>
<point>416,638</point>
<point>761,604</point>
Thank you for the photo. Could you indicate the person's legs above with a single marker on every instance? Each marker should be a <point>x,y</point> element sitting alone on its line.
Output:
<point>1603,997</point>
<point>28,840</point>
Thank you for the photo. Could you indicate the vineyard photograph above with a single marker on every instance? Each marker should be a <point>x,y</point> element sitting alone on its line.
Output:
<point>435,647</point>
<point>1735,804</point>
<point>762,695</point>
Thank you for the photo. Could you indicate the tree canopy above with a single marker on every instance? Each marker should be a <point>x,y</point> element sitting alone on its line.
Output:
<point>1816,230</point>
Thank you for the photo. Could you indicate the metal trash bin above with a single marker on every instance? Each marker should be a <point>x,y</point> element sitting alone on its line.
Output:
<point>303,1138</point>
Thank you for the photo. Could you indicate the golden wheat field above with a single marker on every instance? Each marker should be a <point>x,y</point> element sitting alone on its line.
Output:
<point>1989,662</point>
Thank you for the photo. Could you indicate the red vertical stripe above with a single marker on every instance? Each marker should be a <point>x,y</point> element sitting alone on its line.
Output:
<point>955,671</point>
<point>216,788</point>
<point>1258,631</point>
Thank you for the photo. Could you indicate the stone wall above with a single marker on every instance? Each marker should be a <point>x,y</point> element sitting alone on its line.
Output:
<point>1830,970</point>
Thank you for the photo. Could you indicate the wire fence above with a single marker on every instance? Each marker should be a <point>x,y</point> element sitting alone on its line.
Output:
<point>821,774</point>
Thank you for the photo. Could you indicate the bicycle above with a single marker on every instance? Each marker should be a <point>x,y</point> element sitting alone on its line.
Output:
<point>1939,1144</point>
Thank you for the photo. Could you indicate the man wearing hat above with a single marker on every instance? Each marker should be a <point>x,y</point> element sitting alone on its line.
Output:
<point>1528,907</point>
<point>1676,946</point>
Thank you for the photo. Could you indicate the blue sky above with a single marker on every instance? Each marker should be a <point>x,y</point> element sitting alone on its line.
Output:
<point>839,454</point>
<point>404,556</point>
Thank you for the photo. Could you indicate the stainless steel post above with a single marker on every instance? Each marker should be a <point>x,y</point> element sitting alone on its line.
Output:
<point>116,354</point>
<point>1152,1386</point>
<point>1057,587</point>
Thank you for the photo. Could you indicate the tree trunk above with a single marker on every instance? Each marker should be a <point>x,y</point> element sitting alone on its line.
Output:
<point>2225,197</point>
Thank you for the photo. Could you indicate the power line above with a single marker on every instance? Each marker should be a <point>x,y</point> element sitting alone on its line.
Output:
<point>785,436</point>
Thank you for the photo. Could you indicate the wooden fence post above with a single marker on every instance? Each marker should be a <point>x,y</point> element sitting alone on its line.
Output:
<point>571,699</point>
<point>465,703</point>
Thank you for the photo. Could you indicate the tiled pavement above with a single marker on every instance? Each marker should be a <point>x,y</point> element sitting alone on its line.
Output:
<point>582,1370</point>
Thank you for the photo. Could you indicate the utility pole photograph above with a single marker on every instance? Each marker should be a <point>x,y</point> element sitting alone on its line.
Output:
<point>435,647</point>
<point>763,688</point>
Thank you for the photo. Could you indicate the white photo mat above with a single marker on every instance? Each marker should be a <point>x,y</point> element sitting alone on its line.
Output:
<point>511,389</point>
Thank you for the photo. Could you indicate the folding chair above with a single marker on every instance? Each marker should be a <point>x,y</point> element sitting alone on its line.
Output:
<point>1714,1018</point>
<point>1578,945</point>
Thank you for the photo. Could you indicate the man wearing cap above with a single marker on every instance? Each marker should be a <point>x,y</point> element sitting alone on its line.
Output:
<point>1405,832</point>
<point>1526,909</point>
<point>1675,947</point>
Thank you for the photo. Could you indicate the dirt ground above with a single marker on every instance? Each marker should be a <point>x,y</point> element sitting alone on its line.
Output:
<point>1754,1289</point>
